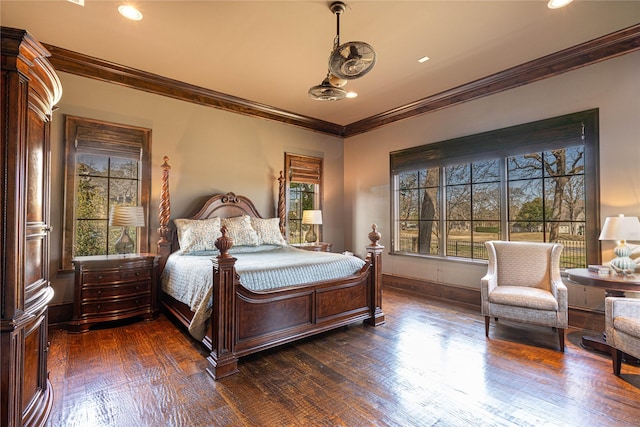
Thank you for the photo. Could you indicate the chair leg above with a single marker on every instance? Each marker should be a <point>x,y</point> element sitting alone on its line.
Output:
<point>486,326</point>
<point>561,339</point>
<point>616,356</point>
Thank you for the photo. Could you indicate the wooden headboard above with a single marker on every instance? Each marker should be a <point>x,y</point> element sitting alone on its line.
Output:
<point>220,205</point>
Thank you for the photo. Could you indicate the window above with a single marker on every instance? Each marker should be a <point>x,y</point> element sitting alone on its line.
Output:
<point>304,183</point>
<point>532,182</point>
<point>107,165</point>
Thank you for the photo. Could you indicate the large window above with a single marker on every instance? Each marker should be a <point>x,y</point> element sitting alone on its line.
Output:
<point>107,165</point>
<point>304,184</point>
<point>532,182</point>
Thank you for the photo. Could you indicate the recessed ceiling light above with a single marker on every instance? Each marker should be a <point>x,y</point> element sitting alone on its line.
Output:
<point>423,59</point>
<point>78,2</point>
<point>130,12</point>
<point>557,4</point>
<point>351,94</point>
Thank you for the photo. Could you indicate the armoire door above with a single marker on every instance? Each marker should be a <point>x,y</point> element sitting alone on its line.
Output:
<point>30,88</point>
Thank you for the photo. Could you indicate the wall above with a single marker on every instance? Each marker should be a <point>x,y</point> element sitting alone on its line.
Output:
<point>612,86</point>
<point>210,151</point>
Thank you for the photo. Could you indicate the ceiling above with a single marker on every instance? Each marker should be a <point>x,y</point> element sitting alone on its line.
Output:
<point>272,52</point>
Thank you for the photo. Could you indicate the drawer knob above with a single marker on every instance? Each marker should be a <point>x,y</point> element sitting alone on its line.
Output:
<point>99,293</point>
<point>99,277</point>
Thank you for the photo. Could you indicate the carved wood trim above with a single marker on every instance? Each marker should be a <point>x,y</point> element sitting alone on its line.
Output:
<point>607,47</point>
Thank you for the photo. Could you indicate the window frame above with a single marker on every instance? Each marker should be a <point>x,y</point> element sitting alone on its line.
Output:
<point>526,138</point>
<point>304,170</point>
<point>103,138</point>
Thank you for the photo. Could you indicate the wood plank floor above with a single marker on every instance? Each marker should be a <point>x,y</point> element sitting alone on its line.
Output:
<point>430,364</point>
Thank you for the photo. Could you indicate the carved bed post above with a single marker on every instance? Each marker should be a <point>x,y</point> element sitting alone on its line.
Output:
<point>164,214</point>
<point>374,256</point>
<point>282,205</point>
<point>222,360</point>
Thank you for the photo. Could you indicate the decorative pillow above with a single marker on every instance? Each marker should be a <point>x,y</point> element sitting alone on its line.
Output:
<point>240,230</point>
<point>268,230</point>
<point>198,235</point>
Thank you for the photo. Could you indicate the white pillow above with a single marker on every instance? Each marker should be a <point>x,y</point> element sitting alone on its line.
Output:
<point>240,230</point>
<point>268,230</point>
<point>198,235</point>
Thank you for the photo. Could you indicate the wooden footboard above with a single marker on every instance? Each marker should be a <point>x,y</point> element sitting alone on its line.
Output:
<point>245,322</point>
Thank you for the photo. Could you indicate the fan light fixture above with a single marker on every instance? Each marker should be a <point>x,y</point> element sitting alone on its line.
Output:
<point>348,61</point>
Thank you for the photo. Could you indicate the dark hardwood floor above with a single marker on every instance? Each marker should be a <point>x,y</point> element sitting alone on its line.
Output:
<point>430,364</point>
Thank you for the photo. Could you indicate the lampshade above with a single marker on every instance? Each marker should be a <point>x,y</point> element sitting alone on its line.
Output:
<point>312,217</point>
<point>620,228</point>
<point>127,216</point>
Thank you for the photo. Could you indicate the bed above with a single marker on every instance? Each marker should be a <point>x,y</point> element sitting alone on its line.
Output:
<point>246,318</point>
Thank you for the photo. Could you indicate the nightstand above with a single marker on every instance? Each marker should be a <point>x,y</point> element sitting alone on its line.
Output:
<point>114,287</point>
<point>316,246</point>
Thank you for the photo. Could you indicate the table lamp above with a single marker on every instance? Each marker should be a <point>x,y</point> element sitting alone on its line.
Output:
<point>621,228</point>
<point>125,217</point>
<point>311,217</point>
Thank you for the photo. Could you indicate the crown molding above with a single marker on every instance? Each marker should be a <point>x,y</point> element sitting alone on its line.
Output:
<point>95,68</point>
<point>588,53</point>
<point>603,48</point>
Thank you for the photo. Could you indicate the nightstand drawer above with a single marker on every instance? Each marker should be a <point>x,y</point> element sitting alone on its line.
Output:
<point>102,277</point>
<point>116,306</point>
<point>103,292</point>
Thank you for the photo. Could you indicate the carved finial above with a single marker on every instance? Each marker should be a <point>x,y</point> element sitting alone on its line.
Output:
<point>224,243</point>
<point>374,236</point>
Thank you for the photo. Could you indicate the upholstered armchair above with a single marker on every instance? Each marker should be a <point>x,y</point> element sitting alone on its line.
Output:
<point>523,284</point>
<point>622,322</point>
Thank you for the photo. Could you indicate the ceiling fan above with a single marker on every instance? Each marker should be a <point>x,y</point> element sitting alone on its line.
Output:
<point>347,61</point>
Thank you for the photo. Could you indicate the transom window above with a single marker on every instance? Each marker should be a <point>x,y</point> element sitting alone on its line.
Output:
<point>533,182</point>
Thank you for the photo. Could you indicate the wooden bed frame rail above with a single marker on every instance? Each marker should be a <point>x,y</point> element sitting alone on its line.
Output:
<point>244,321</point>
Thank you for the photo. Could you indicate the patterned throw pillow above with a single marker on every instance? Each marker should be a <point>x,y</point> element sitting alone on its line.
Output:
<point>198,235</point>
<point>268,230</point>
<point>240,230</point>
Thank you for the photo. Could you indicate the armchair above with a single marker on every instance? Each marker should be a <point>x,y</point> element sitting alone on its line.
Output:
<point>622,326</point>
<point>523,284</point>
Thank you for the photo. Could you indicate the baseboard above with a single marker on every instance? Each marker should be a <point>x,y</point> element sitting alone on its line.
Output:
<point>60,314</point>
<point>578,317</point>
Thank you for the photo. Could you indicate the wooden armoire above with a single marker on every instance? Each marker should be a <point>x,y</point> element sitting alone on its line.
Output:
<point>29,89</point>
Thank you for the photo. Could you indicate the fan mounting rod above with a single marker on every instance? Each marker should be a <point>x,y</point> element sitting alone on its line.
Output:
<point>338,8</point>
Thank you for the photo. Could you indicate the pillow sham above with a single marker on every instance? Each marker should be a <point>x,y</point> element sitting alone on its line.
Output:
<point>198,235</point>
<point>268,230</point>
<point>240,230</point>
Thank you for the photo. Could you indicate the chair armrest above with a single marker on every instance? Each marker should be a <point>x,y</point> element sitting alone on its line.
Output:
<point>559,291</point>
<point>488,283</point>
<point>617,307</point>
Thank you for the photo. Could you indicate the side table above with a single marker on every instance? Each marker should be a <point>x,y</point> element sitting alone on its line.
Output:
<point>114,287</point>
<point>316,246</point>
